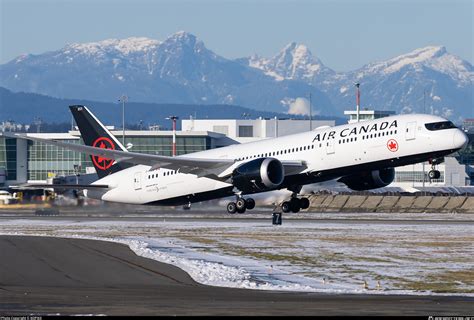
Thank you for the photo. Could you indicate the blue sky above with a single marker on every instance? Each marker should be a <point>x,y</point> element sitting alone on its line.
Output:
<point>344,34</point>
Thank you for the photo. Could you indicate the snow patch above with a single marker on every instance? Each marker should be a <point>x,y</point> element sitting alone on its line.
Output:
<point>294,61</point>
<point>214,267</point>
<point>123,46</point>
<point>229,99</point>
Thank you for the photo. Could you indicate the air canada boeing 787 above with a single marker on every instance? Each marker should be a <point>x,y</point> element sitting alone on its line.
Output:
<point>362,155</point>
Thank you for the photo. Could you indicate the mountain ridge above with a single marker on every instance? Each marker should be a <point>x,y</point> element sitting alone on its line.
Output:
<point>23,107</point>
<point>180,69</point>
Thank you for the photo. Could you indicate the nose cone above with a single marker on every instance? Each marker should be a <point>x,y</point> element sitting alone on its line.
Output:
<point>460,139</point>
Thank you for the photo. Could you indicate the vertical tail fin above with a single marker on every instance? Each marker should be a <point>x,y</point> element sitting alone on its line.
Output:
<point>95,134</point>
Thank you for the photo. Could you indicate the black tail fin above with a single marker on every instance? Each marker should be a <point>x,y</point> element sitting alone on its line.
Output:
<point>95,134</point>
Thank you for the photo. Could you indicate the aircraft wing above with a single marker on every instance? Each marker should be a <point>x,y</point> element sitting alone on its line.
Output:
<point>293,166</point>
<point>30,186</point>
<point>213,168</point>
<point>184,164</point>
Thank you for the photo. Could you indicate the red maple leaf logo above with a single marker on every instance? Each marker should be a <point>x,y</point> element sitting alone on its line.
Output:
<point>392,145</point>
<point>100,162</point>
<point>99,158</point>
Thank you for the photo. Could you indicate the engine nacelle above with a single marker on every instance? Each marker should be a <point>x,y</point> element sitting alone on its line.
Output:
<point>369,179</point>
<point>259,175</point>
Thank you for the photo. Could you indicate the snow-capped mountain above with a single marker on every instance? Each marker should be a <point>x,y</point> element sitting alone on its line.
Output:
<point>179,69</point>
<point>294,62</point>
<point>427,80</point>
<point>433,57</point>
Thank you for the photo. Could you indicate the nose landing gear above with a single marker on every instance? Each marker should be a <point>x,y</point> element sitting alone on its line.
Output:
<point>434,173</point>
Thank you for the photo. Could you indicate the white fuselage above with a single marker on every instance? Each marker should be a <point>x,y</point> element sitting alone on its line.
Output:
<point>391,141</point>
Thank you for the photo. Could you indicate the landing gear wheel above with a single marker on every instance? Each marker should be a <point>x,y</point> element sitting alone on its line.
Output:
<point>249,203</point>
<point>434,174</point>
<point>241,210</point>
<point>304,203</point>
<point>241,205</point>
<point>231,208</point>
<point>295,205</point>
<point>286,207</point>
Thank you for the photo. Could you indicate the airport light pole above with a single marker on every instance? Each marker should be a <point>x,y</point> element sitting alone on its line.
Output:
<point>310,114</point>
<point>123,99</point>
<point>276,126</point>
<point>173,118</point>
<point>358,100</point>
<point>424,111</point>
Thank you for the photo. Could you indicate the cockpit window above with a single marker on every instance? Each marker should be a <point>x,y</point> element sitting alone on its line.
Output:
<point>443,125</point>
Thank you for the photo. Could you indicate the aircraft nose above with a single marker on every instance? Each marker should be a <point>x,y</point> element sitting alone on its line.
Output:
<point>460,139</point>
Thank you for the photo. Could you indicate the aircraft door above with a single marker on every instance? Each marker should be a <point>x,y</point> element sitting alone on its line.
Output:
<point>330,146</point>
<point>137,181</point>
<point>410,132</point>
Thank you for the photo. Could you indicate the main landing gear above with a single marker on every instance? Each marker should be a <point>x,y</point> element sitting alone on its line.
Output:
<point>295,204</point>
<point>434,173</point>
<point>241,205</point>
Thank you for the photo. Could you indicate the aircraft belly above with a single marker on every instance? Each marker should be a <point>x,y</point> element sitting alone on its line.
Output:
<point>179,187</point>
<point>122,195</point>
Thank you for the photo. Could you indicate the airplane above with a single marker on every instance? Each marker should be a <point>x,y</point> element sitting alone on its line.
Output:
<point>361,155</point>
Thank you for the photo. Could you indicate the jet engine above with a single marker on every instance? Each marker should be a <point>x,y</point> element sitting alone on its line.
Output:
<point>258,175</point>
<point>369,179</point>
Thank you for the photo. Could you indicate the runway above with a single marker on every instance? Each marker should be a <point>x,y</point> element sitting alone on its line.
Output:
<point>47,275</point>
